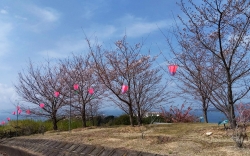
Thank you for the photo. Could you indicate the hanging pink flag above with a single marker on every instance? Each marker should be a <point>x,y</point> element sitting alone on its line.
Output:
<point>76,86</point>
<point>8,119</point>
<point>14,113</point>
<point>124,88</point>
<point>42,105</point>
<point>56,94</point>
<point>91,91</point>
<point>172,69</point>
<point>28,112</point>
<point>19,111</point>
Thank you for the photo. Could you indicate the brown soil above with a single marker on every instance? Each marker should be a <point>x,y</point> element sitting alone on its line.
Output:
<point>176,139</point>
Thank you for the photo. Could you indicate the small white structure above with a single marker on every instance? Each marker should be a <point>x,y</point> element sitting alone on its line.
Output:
<point>147,114</point>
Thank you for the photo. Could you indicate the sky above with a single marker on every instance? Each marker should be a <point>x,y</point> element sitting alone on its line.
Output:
<point>54,29</point>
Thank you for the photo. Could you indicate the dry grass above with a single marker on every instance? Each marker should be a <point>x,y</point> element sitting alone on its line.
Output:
<point>180,139</point>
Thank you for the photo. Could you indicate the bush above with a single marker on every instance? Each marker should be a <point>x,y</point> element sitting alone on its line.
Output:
<point>109,120</point>
<point>124,120</point>
<point>24,127</point>
<point>243,115</point>
<point>151,119</point>
<point>63,125</point>
<point>176,114</point>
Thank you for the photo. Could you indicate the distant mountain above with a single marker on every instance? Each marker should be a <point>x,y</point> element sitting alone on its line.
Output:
<point>114,112</point>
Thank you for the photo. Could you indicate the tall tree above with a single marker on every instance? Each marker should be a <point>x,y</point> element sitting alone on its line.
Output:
<point>37,85</point>
<point>221,29</point>
<point>193,77</point>
<point>78,71</point>
<point>127,66</point>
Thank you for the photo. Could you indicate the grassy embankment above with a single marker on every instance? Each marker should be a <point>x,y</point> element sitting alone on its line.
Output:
<point>177,138</point>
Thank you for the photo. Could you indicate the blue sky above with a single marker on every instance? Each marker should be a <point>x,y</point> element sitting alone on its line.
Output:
<point>53,29</point>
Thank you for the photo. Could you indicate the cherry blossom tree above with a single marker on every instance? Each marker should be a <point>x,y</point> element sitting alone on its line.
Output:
<point>220,30</point>
<point>127,66</point>
<point>38,85</point>
<point>79,72</point>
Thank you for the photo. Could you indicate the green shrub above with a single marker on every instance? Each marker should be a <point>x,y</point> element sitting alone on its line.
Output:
<point>124,120</point>
<point>151,119</point>
<point>22,127</point>
<point>108,120</point>
<point>63,125</point>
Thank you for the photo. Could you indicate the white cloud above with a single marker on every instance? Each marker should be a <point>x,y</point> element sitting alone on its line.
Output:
<point>88,13</point>
<point>2,11</point>
<point>20,17</point>
<point>136,27</point>
<point>107,31</point>
<point>102,32</point>
<point>142,28</point>
<point>40,19</point>
<point>133,27</point>
<point>5,29</point>
<point>52,53</point>
<point>5,67</point>
<point>45,14</point>
<point>65,47</point>
<point>92,8</point>
<point>7,95</point>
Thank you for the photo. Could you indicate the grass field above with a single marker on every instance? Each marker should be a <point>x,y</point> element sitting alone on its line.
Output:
<point>169,139</point>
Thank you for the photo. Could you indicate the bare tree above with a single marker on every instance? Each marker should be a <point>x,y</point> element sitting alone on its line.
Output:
<point>37,85</point>
<point>221,29</point>
<point>78,70</point>
<point>127,66</point>
<point>93,110</point>
<point>239,134</point>
<point>193,77</point>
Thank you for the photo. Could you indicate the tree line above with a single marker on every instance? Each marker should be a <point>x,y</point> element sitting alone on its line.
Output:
<point>103,71</point>
<point>211,49</point>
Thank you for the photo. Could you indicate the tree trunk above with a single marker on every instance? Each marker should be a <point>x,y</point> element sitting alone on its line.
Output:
<point>84,118</point>
<point>54,121</point>
<point>139,121</point>
<point>93,121</point>
<point>232,117</point>
<point>205,115</point>
<point>131,116</point>
<point>231,104</point>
